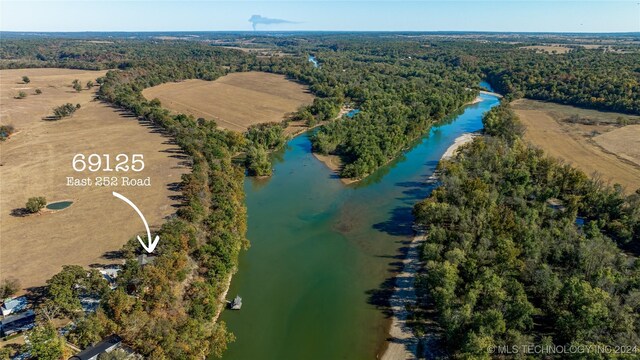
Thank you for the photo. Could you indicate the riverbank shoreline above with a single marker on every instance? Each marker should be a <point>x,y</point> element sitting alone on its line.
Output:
<point>402,343</point>
<point>334,163</point>
<point>491,93</point>
<point>474,101</point>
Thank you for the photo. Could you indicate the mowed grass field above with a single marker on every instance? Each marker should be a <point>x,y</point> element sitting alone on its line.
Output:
<point>38,158</point>
<point>603,149</point>
<point>235,101</point>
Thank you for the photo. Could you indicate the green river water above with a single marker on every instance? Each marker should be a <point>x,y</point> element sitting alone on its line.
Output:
<point>323,254</point>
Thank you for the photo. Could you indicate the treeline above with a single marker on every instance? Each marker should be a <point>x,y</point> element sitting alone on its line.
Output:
<point>585,78</point>
<point>521,249</point>
<point>180,292</point>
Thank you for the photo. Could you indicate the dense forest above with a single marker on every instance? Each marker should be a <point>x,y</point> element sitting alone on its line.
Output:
<point>502,260</point>
<point>584,78</point>
<point>521,249</point>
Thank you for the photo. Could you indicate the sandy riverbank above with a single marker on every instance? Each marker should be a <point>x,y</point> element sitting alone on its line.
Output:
<point>459,141</point>
<point>402,344</point>
<point>334,164</point>
<point>490,93</point>
<point>474,101</point>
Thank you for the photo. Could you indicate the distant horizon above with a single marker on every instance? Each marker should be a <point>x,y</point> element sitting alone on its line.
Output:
<point>323,31</point>
<point>495,16</point>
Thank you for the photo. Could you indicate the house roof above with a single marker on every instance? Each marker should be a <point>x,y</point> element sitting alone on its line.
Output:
<point>98,349</point>
<point>13,318</point>
<point>14,303</point>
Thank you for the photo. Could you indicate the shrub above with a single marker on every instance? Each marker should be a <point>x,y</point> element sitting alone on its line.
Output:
<point>26,80</point>
<point>6,131</point>
<point>38,91</point>
<point>9,287</point>
<point>35,204</point>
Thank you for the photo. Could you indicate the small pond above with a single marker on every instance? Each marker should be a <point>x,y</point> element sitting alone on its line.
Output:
<point>59,205</point>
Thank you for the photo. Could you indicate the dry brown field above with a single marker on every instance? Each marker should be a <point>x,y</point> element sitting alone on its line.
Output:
<point>37,160</point>
<point>624,142</point>
<point>575,144</point>
<point>549,49</point>
<point>234,101</point>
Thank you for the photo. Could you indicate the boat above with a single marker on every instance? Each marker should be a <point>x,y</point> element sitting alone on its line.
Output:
<point>236,304</point>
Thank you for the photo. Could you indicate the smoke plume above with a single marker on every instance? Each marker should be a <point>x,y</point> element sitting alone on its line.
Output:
<point>256,20</point>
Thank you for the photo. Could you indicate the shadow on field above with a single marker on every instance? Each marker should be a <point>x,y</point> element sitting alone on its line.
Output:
<point>20,212</point>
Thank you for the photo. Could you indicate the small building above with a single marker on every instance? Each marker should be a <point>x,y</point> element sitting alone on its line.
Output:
<point>144,260</point>
<point>91,353</point>
<point>15,305</point>
<point>89,304</point>
<point>236,304</point>
<point>110,274</point>
<point>17,323</point>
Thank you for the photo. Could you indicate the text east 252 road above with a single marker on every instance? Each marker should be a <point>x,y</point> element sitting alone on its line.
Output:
<point>108,181</point>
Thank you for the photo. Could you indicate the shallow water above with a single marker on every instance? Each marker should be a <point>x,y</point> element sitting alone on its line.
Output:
<point>322,253</point>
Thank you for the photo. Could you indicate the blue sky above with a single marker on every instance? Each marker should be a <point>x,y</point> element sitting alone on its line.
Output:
<point>505,15</point>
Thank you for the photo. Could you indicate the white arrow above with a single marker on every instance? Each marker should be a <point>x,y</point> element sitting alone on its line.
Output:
<point>151,245</point>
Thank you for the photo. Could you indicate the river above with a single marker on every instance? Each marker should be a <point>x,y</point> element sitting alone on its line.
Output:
<point>323,254</point>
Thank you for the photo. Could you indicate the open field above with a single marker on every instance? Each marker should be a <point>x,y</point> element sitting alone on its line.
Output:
<point>55,85</point>
<point>37,160</point>
<point>624,142</point>
<point>234,101</point>
<point>550,49</point>
<point>547,128</point>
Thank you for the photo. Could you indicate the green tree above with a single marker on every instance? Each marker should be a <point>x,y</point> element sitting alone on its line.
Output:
<point>66,287</point>
<point>26,80</point>
<point>38,91</point>
<point>65,110</point>
<point>21,95</point>
<point>45,344</point>
<point>257,161</point>
<point>35,204</point>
